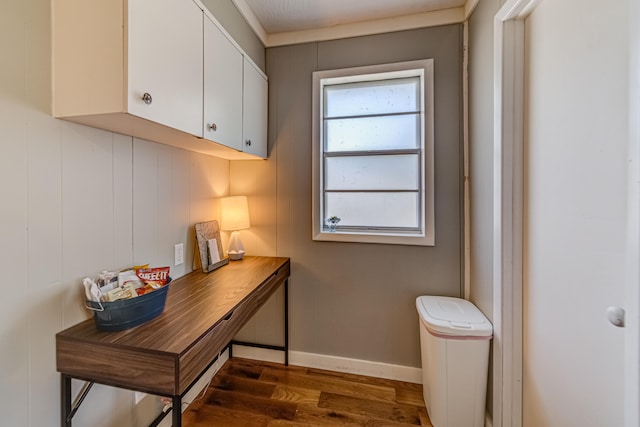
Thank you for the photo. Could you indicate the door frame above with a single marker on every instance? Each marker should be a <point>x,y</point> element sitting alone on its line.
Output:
<point>508,191</point>
<point>509,72</point>
<point>632,279</point>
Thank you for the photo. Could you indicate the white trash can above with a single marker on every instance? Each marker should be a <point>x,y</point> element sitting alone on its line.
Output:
<point>454,342</point>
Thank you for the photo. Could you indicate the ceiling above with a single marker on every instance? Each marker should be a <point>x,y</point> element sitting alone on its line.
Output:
<point>279,22</point>
<point>277,16</point>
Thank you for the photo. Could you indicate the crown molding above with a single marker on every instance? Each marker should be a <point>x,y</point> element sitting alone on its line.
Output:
<point>252,19</point>
<point>469,7</point>
<point>364,28</point>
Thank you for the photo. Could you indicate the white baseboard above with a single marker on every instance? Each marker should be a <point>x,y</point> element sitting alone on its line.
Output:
<point>487,420</point>
<point>334,363</point>
<point>198,388</point>
<point>255,353</point>
<point>356,366</point>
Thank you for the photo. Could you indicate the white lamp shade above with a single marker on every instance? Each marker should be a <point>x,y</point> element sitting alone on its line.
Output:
<point>234,213</point>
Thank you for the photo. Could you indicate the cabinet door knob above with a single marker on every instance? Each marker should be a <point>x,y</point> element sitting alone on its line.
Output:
<point>247,142</point>
<point>212,126</point>
<point>147,98</point>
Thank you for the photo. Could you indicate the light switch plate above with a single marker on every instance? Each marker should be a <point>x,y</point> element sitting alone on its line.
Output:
<point>178,254</point>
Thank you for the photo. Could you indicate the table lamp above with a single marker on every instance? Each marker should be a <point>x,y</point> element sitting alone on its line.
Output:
<point>234,216</point>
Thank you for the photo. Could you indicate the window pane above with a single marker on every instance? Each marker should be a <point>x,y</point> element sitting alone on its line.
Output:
<point>395,172</point>
<point>377,97</point>
<point>374,209</point>
<point>373,133</point>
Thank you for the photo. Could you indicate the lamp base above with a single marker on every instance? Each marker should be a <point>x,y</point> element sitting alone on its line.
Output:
<point>235,256</point>
<point>236,247</point>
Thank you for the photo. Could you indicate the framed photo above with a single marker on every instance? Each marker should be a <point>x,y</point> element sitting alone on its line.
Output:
<point>210,246</point>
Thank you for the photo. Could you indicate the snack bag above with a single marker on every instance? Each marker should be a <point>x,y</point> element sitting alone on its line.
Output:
<point>158,275</point>
<point>129,276</point>
<point>153,278</point>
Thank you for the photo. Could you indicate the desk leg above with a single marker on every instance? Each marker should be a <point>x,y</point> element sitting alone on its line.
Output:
<point>176,410</point>
<point>65,400</point>
<point>286,322</point>
<point>286,332</point>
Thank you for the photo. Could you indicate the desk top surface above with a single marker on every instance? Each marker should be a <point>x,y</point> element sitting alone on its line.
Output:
<point>195,303</point>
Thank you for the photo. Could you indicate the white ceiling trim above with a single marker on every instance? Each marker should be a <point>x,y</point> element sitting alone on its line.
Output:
<point>377,26</point>
<point>252,19</point>
<point>469,7</point>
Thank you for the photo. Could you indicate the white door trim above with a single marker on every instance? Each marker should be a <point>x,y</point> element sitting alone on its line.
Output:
<point>632,285</point>
<point>509,69</point>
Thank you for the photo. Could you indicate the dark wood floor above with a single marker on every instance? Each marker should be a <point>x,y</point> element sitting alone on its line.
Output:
<point>250,393</point>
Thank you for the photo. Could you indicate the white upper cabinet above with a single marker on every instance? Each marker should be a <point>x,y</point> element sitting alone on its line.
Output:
<point>254,106</point>
<point>222,88</point>
<point>165,63</point>
<point>160,70</point>
<point>108,54</point>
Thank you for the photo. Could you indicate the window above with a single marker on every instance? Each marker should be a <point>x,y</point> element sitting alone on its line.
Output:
<point>373,154</point>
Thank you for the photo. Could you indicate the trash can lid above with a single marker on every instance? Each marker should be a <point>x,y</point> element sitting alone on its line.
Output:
<point>453,317</point>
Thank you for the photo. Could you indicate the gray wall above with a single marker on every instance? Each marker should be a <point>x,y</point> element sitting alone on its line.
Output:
<point>228,15</point>
<point>348,299</point>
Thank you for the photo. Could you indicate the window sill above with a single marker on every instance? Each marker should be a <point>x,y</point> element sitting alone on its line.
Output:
<point>388,239</point>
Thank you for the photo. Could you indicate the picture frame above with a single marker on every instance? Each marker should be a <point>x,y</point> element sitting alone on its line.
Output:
<point>209,246</point>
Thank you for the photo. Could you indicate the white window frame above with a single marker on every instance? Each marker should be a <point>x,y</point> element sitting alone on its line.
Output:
<point>422,68</point>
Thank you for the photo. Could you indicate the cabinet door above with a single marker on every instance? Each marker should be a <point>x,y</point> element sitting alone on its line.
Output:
<point>254,105</point>
<point>222,88</point>
<point>165,61</point>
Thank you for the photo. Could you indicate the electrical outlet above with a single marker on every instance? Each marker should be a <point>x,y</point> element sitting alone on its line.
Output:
<point>178,254</point>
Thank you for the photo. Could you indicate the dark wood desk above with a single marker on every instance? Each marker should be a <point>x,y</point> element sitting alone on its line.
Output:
<point>167,355</point>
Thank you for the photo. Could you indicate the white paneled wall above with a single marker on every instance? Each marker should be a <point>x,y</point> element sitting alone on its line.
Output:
<point>74,201</point>
<point>95,201</point>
